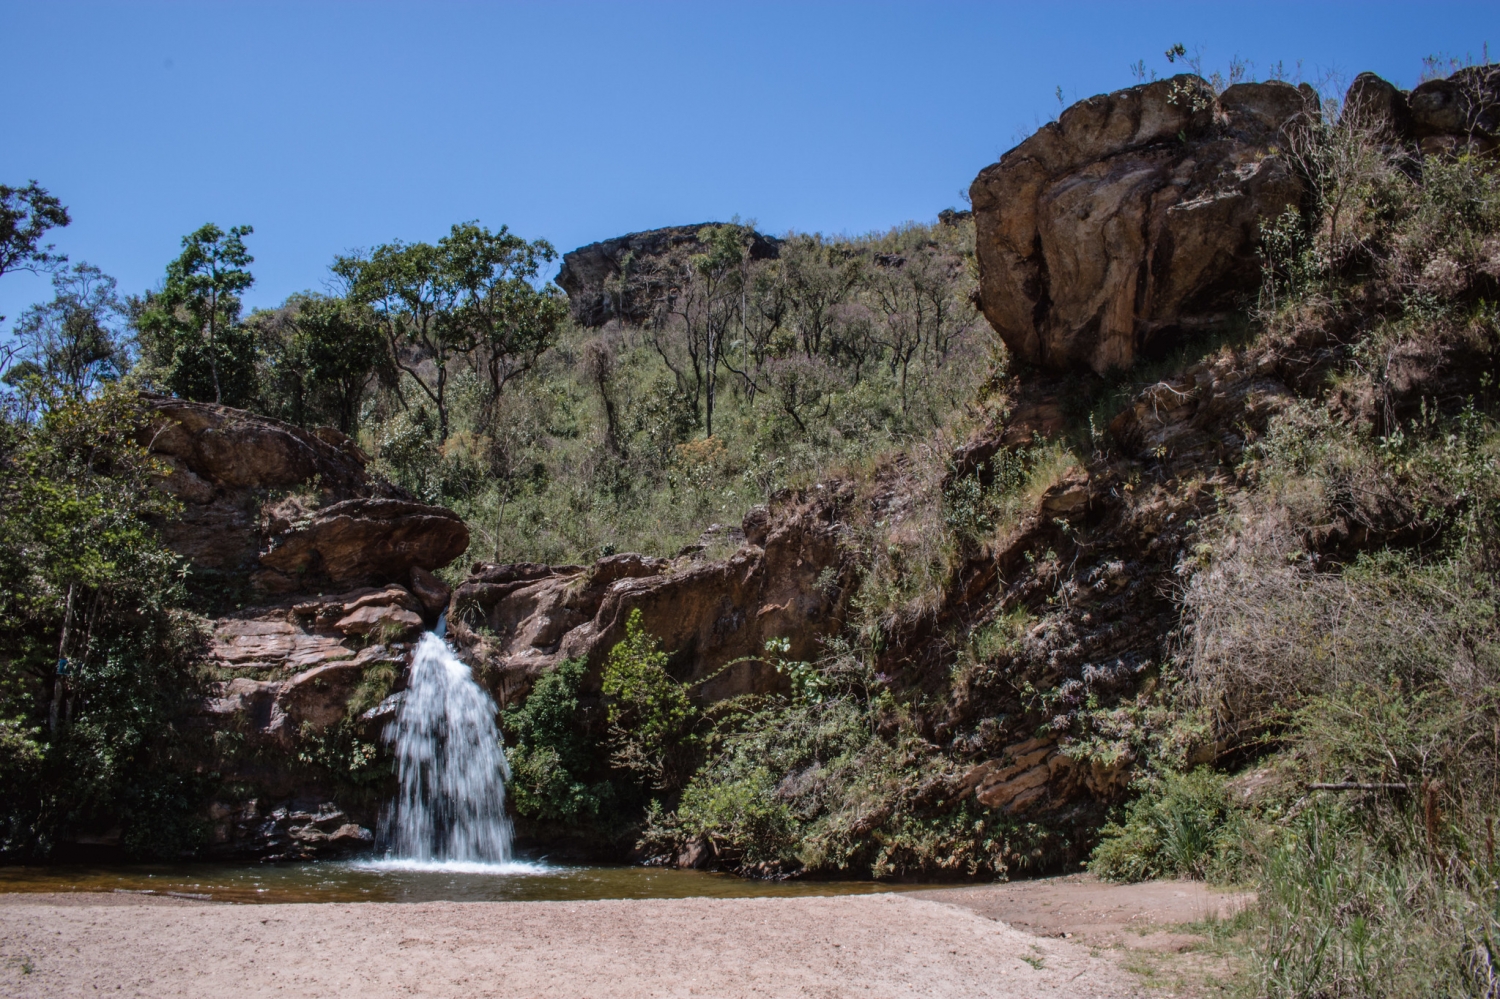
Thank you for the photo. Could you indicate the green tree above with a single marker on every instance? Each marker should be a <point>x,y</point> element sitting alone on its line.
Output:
<point>96,669</point>
<point>79,339</point>
<point>469,296</point>
<point>699,313</point>
<point>320,355</point>
<point>26,213</point>
<point>511,321</point>
<point>650,715</point>
<point>192,329</point>
<point>552,756</point>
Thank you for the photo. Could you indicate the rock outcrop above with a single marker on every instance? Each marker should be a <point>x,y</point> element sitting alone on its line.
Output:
<point>621,278</point>
<point>1461,112</point>
<point>1133,219</point>
<point>789,580</point>
<point>320,577</point>
<point>269,509</point>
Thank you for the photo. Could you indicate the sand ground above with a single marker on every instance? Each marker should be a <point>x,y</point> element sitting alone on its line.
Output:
<point>934,943</point>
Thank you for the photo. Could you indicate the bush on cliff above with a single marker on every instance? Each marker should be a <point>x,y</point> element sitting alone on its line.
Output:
<point>1341,612</point>
<point>557,764</point>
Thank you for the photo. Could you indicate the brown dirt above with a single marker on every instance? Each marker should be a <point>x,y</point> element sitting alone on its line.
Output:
<point>1082,908</point>
<point>860,945</point>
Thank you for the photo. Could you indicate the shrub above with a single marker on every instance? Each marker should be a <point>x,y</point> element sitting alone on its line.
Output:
<point>1177,828</point>
<point>650,716</point>
<point>554,760</point>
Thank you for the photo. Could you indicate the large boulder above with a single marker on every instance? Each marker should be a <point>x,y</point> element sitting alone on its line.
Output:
<point>269,509</point>
<point>620,278</point>
<point>1460,112</point>
<point>361,542</point>
<point>1134,218</point>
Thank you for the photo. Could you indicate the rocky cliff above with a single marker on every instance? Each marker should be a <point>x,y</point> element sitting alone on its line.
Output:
<point>790,579</point>
<point>1124,230</point>
<point>620,278</point>
<point>316,576</point>
<point>1133,218</point>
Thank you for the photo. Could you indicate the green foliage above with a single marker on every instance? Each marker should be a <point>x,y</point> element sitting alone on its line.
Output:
<point>26,213</point>
<point>469,297</point>
<point>96,743</point>
<point>1175,829</point>
<point>1342,914</point>
<point>555,761</point>
<point>78,339</point>
<point>808,786</point>
<point>650,715</point>
<point>319,356</point>
<point>191,331</point>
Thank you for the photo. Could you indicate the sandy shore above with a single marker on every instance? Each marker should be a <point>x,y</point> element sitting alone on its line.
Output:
<point>860,945</point>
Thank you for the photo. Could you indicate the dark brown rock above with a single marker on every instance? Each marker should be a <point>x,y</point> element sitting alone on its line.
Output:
<point>619,278</point>
<point>432,592</point>
<point>363,541</point>
<point>1134,219</point>
<point>270,509</point>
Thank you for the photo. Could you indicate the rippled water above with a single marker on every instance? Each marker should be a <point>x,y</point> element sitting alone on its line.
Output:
<point>412,881</point>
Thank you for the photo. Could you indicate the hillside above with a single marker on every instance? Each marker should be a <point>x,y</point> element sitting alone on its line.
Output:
<point>1144,518</point>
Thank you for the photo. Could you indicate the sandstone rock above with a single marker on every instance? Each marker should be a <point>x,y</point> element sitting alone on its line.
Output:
<point>1025,773</point>
<point>430,591</point>
<point>619,278</point>
<point>339,529</point>
<point>1460,112</point>
<point>350,834</point>
<point>232,449</point>
<point>705,613</point>
<point>388,622</point>
<point>362,541</point>
<point>1133,219</point>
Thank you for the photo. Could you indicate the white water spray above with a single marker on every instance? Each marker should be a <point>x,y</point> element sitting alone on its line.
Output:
<point>450,810</point>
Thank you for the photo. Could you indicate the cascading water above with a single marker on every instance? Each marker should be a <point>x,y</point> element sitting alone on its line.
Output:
<point>450,764</point>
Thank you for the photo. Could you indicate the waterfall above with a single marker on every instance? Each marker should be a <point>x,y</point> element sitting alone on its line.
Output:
<point>450,764</point>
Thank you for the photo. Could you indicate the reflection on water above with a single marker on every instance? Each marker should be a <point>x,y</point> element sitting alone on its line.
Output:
<point>408,881</point>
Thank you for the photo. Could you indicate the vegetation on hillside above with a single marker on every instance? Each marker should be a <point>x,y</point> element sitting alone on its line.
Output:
<point>1322,718</point>
<point>1341,638</point>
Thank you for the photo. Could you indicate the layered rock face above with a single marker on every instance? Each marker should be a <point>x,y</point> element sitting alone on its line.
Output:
<point>789,580</point>
<point>331,572</point>
<point>270,509</point>
<point>1133,218</point>
<point>620,278</point>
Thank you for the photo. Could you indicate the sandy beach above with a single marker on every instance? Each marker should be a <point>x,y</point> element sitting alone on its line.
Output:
<point>862,945</point>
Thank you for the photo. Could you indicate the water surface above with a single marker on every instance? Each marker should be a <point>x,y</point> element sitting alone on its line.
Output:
<point>407,881</point>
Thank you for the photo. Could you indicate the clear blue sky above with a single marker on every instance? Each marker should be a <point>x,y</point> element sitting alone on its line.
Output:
<point>331,126</point>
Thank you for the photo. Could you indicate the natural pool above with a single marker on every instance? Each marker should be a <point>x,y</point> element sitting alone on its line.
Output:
<point>398,881</point>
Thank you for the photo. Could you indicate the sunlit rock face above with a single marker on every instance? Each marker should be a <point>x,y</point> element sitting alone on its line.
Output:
<point>789,578</point>
<point>1134,219</point>
<point>269,509</point>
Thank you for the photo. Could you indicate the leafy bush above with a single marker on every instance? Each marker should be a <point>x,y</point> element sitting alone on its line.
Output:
<point>650,716</point>
<point>95,742</point>
<point>1177,828</point>
<point>554,760</point>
